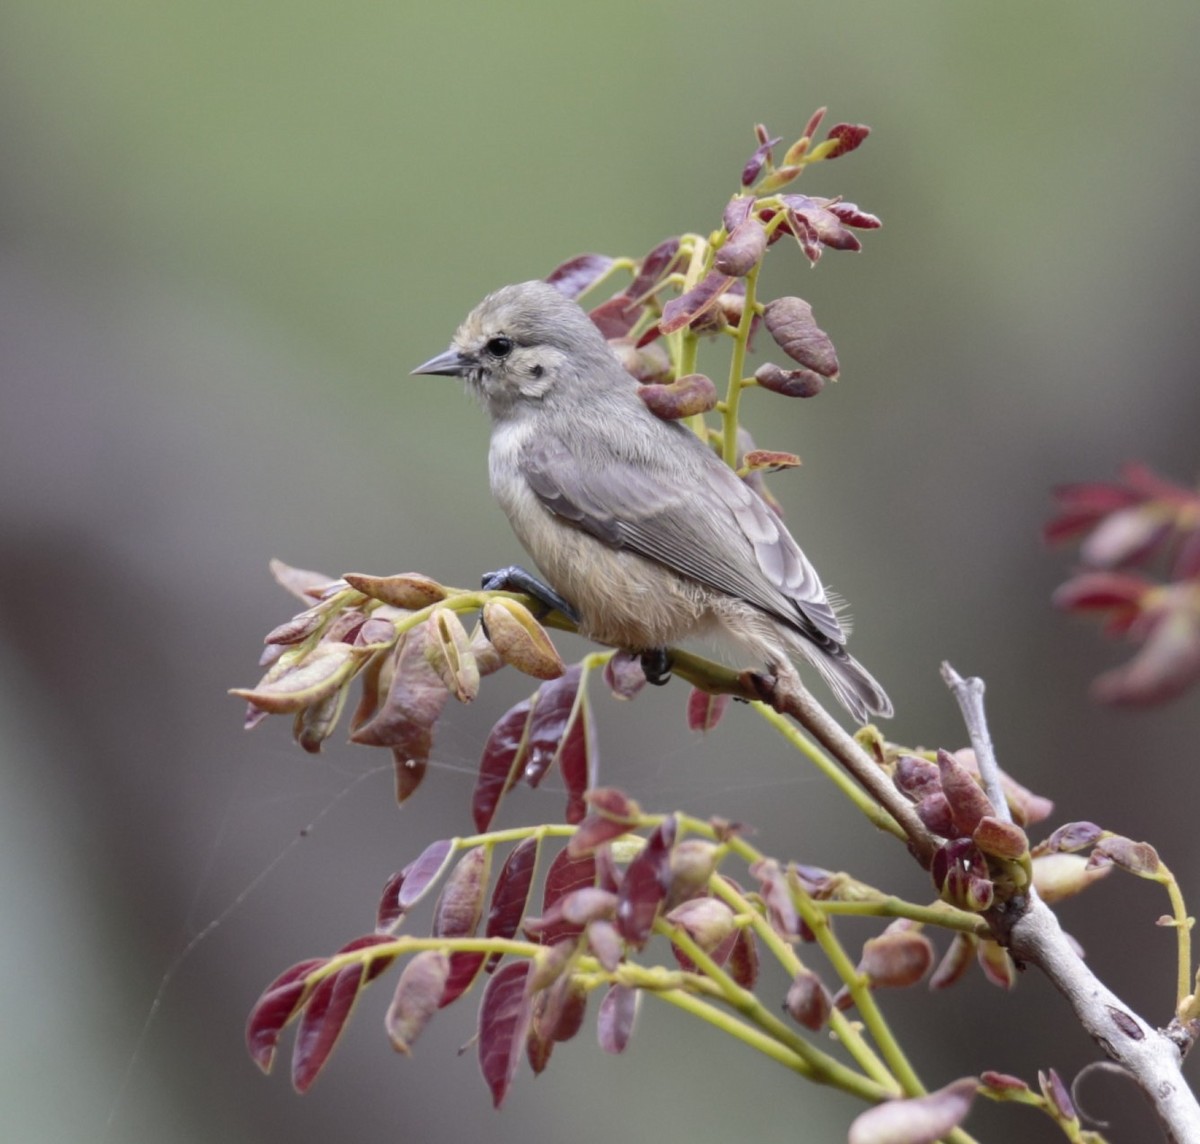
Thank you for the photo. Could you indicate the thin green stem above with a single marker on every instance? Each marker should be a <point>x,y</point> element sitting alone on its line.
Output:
<point>860,991</point>
<point>830,769</point>
<point>825,1068</point>
<point>737,366</point>
<point>939,914</point>
<point>725,1021</point>
<point>1183,938</point>
<point>844,1029</point>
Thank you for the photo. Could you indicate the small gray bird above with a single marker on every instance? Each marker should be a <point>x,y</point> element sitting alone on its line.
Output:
<point>644,534</point>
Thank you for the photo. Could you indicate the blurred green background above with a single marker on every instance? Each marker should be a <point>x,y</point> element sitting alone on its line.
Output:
<point>228,231</point>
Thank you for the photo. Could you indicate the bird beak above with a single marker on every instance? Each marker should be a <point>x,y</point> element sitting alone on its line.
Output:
<point>448,364</point>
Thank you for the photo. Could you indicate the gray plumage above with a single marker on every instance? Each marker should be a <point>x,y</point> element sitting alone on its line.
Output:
<point>633,519</point>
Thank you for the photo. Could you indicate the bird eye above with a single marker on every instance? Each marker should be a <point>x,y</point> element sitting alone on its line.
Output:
<point>499,347</point>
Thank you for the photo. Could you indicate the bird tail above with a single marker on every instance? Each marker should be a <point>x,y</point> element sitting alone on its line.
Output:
<point>854,686</point>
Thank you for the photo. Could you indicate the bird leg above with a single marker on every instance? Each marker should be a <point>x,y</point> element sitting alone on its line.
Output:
<point>656,666</point>
<point>516,579</point>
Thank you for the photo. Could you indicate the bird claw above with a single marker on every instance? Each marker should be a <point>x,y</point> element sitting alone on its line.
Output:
<point>515,579</point>
<point>656,666</point>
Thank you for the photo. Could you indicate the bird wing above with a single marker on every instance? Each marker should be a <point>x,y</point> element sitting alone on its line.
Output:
<point>631,505</point>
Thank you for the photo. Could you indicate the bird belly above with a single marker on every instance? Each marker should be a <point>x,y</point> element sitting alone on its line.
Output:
<point>623,599</point>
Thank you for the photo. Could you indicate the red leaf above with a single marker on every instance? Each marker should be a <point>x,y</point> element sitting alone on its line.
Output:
<point>465,966</point>
<point>577,762</point>
<point>757,161</point>
<point>416,998</point>
<point>389,912</point>
<point>849,137</point>
<point>405,721</point>
<point>277,1005</point>
<point>422,872</point>
<point>618,1013</point>
<point>624,675</point>
<point>704,711</point>
<point>613,813</point>
<point>777,896</point>
<point>678,312</point>
<point>503,758</point>
<point>554,710</point>
<point>578,274</point>
<point>684,397</point>
<point>649,335</point>
<point>460,904</point>
<point>504,1016</point>
<point>743,961</point>
<point>409,773</point>
<point>852,216</point>
<point>302,583</point>
<point>654,268</point>
<point>645,885</point>
<point>737,210</point>
<point>376,965</point>
<point>615,317</point>
<point>565,874</point>
<point>918,1120</point>
<point>511,895</point>
<point>1101,590</point>
<point>324,1018</point>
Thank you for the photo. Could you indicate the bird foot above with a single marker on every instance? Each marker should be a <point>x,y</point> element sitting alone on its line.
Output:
<point>656,666</point>
<point>516,579</point>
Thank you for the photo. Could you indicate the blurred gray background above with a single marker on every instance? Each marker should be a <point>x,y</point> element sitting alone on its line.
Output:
<point>228,231</point>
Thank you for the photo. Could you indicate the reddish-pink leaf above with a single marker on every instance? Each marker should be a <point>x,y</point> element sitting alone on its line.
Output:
<point>645,885</point>
<point>968,802</point>
<point>777,896</point>
<point>654,268</point>
<point>618,1013</point>
<point>376,965</point>
<point>465,967</point>
<point>409,773</point>
<point>743,250</point>
<point>511,895</point>
<point>553,712</point>
<point>565,874</point>
<point>561,1017</point>
<point>277,1005</point>
<point>416,698</point>
<point>652,333</point>
<point>849,137</point>
<point>504,1016</point>
<point>577,762</point>
<point>416,998</point>
<point>460,904</point>
<point>1070,837</point>
<point>324,1017</point>
<point>955,962</point>
<point>615,317</point>
<point>757,161</point>
<point>302,584</point>
<point>579,274</point>
<point>678,312</point>
<point>504,755</point>
<point>799,382</point>
<point>743,961</point>
<point>604,941</point>
<point>704,711</point>
<point>624,675</point>
<point>849,214</point>
<point>737,210</point>
<point>613,814</point>
<point>919,1120</point>
<point>684,397</point>
<point>422,872</point>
